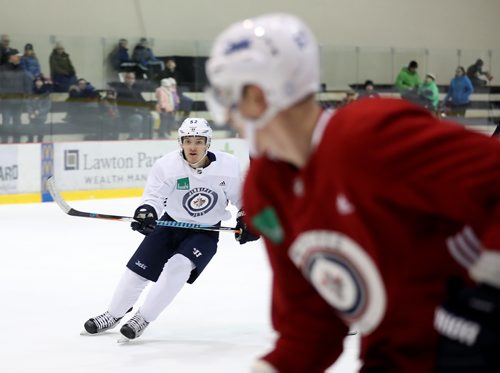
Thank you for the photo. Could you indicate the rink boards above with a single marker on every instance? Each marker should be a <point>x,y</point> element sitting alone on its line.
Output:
<point>90,169</point>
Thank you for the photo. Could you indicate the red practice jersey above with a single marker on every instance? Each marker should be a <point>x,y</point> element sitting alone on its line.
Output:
<point>391,204</point>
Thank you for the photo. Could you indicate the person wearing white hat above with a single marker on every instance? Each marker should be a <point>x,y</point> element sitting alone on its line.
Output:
<point>428,92</point>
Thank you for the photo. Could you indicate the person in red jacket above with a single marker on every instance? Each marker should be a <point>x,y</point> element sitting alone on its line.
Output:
<point>378,217</point>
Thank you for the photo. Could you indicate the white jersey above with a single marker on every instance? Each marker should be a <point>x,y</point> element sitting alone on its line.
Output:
<point>194,195</point>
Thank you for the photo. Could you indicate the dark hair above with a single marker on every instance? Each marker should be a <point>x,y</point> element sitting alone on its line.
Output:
<point>413,65</point>
<point>461,69</point>
<point>367,83</point>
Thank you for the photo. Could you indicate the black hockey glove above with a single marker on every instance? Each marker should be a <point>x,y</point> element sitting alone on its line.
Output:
<point>245,235</point>
<point>469,327</point>
<point>146,219</point>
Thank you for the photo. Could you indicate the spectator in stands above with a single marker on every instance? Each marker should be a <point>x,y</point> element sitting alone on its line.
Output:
<point>120,58</point>
<point>368,90</point>
<point>170,71</point>
<point>475,72</point>
<point>15,87</point>
<point>143,55</point>
<point>39,107</point>
<point>29,61</point>
<point>165,106</point>
<point>83,102</point>
<point>428,93</point>
<point>61,69</point>
<point>175,94</point>
<point>86,91</point>
<point>110,116</point>
<point>134,110</point>
<point>408,79</point>
<point>4,48</point>
<point>349,97</point>
<point>459,91</point>
<point>183,104</point>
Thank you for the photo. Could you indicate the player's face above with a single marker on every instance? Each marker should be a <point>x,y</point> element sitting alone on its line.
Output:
<point>274,140</point>
<point>251,107</point>
<point>194,147</point>
<point>248,109</point>
<point>279,135</point>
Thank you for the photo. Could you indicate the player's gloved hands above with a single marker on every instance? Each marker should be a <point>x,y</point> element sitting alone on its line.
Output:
<point>469,325</point>
<point>146,219</point>
<point>245,235</point>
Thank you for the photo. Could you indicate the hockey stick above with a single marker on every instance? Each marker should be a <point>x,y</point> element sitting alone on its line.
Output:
<point>51,186</point>
<point>206,227</point>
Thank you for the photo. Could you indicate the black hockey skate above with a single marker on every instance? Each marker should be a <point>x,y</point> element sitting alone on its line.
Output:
<point>102,323</point>
<point>134,327</point>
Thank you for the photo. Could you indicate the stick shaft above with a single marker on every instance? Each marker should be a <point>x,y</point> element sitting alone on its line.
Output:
<point>51,186</point>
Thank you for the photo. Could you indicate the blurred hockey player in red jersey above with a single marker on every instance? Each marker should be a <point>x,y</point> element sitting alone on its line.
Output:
<point>377,216</point>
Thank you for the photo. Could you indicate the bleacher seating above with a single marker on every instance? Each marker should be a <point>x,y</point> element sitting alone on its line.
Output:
<point>483,114</point>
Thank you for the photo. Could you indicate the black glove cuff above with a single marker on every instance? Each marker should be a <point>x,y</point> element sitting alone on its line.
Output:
<point>240,214</point>
<point>148,208</point>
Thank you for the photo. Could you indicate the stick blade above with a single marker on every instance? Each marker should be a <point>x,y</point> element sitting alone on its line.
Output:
<point>51,187</point>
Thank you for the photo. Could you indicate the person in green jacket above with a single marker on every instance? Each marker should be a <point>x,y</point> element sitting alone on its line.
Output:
<point>408,78</point>
<point>61,69</point>
<point>428,92</point>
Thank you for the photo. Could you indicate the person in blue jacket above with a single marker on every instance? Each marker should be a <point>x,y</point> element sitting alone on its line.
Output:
<point>120,55</point>
<point>29,61</point>
<point>459,91</point>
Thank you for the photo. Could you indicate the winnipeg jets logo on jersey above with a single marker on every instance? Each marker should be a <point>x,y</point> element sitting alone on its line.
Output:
<point>199,201</point>
<point>189,196</point>
<point>344,274</point>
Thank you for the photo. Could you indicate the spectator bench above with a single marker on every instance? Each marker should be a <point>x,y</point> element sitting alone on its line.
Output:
<point>483,115</point>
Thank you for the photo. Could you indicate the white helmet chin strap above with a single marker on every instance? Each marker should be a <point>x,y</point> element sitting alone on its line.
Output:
<point>195,164</point>
<point>251,126</point>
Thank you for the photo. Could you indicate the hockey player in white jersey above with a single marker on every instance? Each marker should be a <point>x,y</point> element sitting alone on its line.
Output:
<point>193,185</point>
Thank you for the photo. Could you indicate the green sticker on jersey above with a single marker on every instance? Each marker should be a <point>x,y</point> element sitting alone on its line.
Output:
<point>183,184</point>
<point>268,224</point>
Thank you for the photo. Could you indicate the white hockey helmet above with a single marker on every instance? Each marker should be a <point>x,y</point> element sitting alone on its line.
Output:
<point>276,52</point>
<point>195,127</point>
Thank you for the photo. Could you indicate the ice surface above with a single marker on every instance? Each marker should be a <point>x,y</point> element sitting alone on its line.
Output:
<point>57,271</point>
